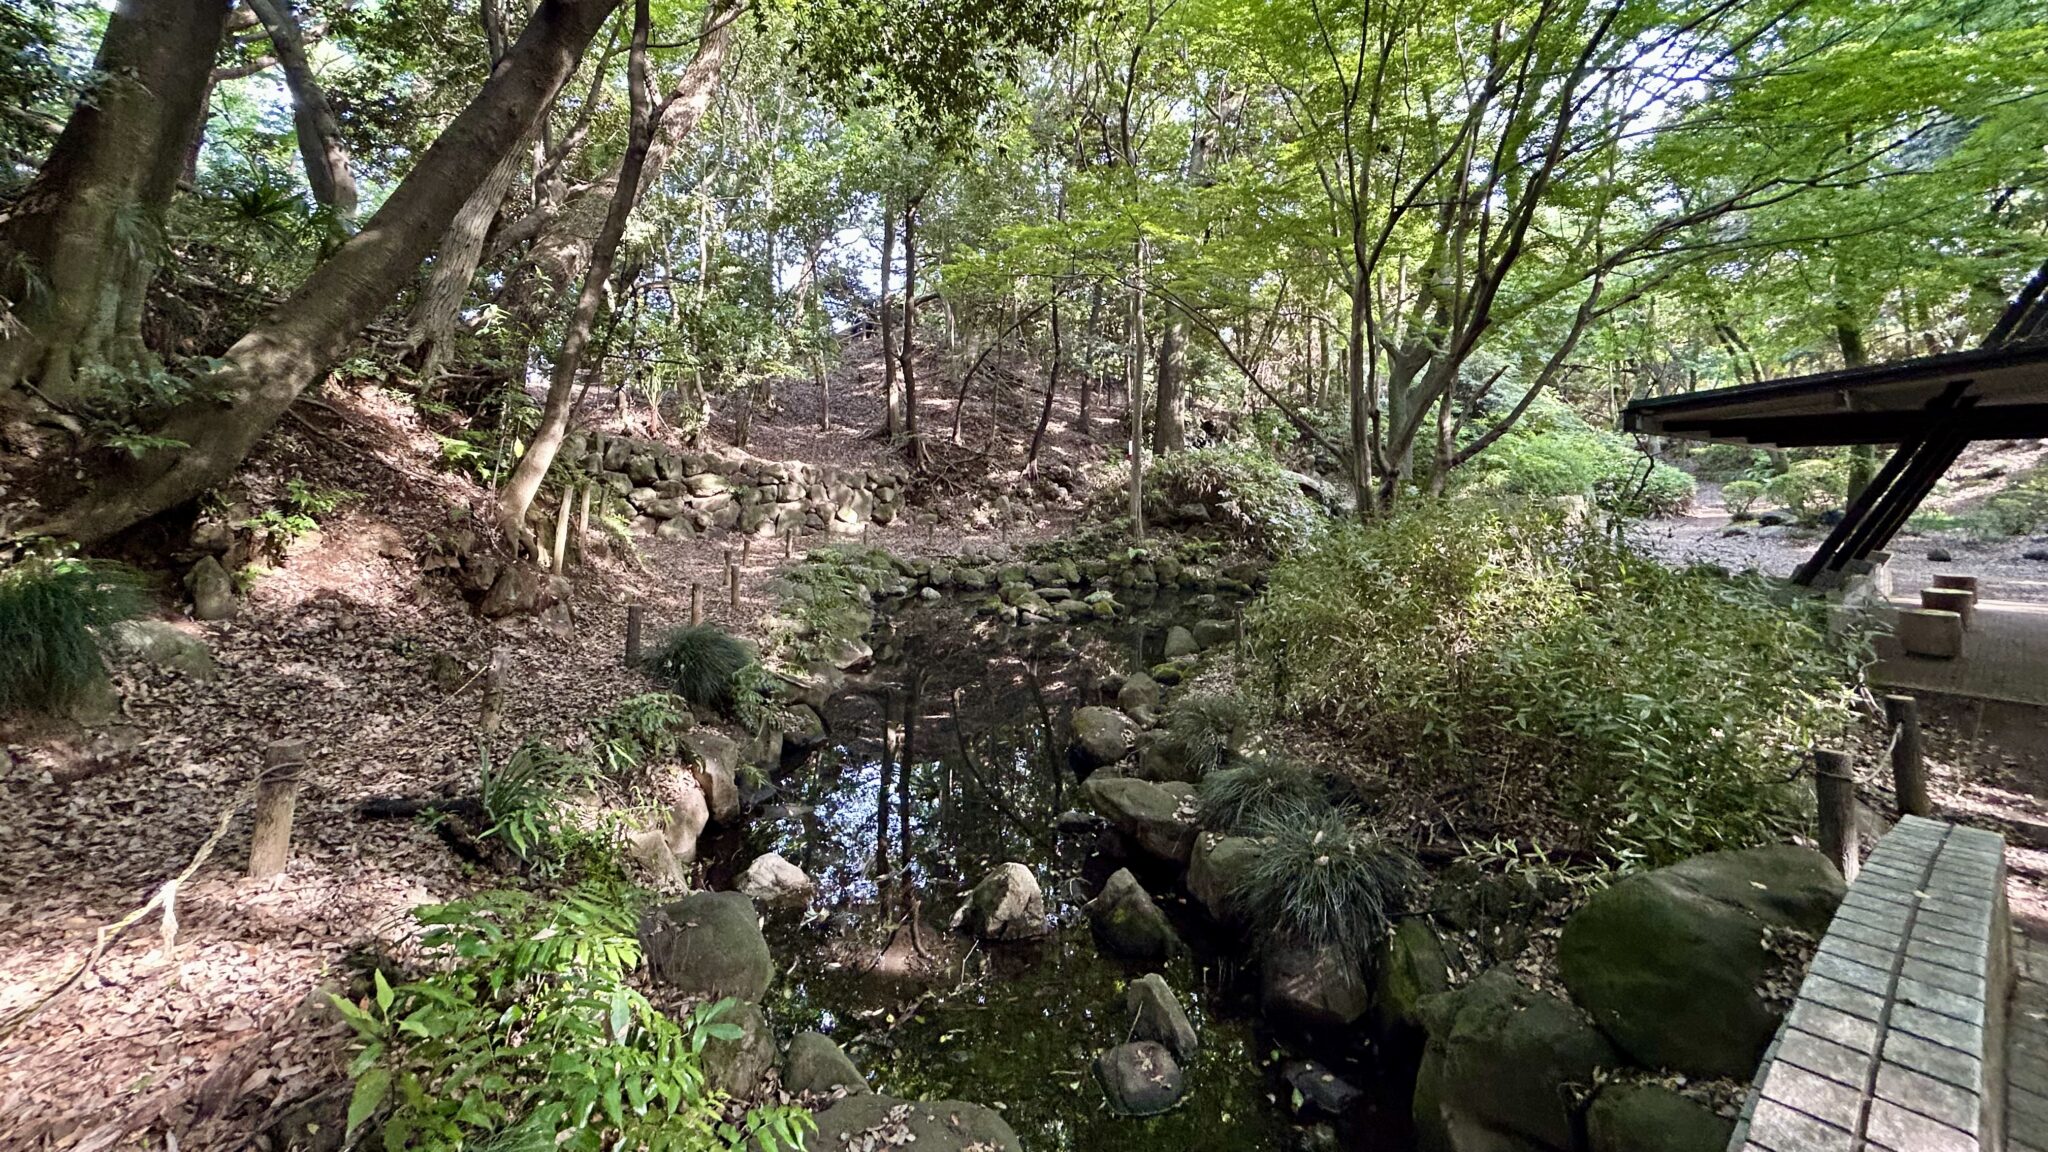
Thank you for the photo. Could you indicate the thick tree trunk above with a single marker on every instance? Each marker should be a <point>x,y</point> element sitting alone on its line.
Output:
<point>1052,388</point>
<point>1134,393</point>
<point>319,130</point>
<point>1361,432</point>
<point>892,401</point>
<point>439,307</point>
<point>267,369</point>
<point>909,337</point>
<point>1168,434</point>
<point>79,247</point>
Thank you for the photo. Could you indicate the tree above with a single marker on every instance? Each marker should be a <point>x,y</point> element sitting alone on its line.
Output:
<point>319,131</point>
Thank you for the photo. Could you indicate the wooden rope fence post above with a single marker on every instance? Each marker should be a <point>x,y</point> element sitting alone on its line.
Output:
<point>562,532</point>
<point>696,604</point>
<point>732,579</point>
<point>789,545</point>
<point>583,526</point>
<point>277,795</point>
<point>747,549</point>
<point>1835,788</point>
<point>635,615</point>
<point>1909,768</point>
<point>493,714</point>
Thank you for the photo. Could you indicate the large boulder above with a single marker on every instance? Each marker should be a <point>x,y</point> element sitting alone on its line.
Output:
<point>774,881</point>
<point>1670,962</point>
<point>1156,1014</point>
<point>1101,737</point>
<point>164,645</point>
<point>1159,817</point>
<point>1180,642</point>
<point>1215,866</point>
<point>1412,967</point>
<point>869,1121</point>
<point>1312,989</point>
<point>1503,1069</point>
<point>737,1066</point>
<point>818,1065</point>
<point>709,945</point>
<point>1139,695</point>
<point>1127,923</point>
<point>715,764</point>
<point>1211,633</point>
<point>1006,905</point>
<point>802,729</point>
<point>687,816</point>
<point>1140,1078</point>
<point>1653,1118</point>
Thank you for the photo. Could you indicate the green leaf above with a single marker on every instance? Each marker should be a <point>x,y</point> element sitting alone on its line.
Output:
<point>384,993</point>
<point>369,1094</point>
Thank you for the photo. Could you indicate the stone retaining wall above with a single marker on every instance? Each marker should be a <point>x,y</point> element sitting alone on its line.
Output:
<point>1896,1038</point>
<point>682,494</point>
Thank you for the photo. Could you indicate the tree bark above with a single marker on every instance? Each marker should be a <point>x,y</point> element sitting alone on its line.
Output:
<point>1088,356</point>
<point>78,248</point>
<point>892,401</point>
<point>264,372</point>
<point>1168,434</point>
<point>1134,393</point>
<point>1052,388</point>
<point>909,337</point>
<point>319,130</point>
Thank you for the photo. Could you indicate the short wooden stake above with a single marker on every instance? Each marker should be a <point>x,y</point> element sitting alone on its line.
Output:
<point>277,794</point>
<point>696,604</point>
<point>1835,788</point>
<point>636,614</point>
<point>732,580</point>
<point>788,545</point>
<point>492,716</point>
<point>562,533</point>
<point>583,526</point>
<point>1909,770</point>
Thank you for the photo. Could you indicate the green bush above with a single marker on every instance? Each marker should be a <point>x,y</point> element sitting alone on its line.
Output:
<point>1741,497</point>
<point>52,612</point>
<point>1244,489</point>
<point>702,664</point>
<point>642,728</point>
<point>1323,880</point>
<point>525,809</point>
<point>2020,510</point>
<point>1482,650</point>
<point>1553,452</point>
<point>1809,488</point>
<point>526,1030</point>
<point>1726,461</point>
<point>1203,728</point>
<point>1237,798</point>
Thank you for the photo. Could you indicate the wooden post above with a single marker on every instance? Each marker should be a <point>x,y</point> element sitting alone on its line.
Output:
<point>492,717</point>
<point>562,532</point>
<point>732,580</point>
<point>277,794</point>
<point>1836,790</point>
<point>747,549</point>
<point>696,604</point>
<point>635,615</point>
<point>1909,770</point>
<point>789,545</point>
<point>583,526</point>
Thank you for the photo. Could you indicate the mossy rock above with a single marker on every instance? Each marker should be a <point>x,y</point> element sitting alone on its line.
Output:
<point>1170,673</point>
<point>709,945</point>
<point>869,1121</point>
<point>1653,1118</point>
<point>1503,1069</point>
<point>1128,924</point>
<point>737,1067</point>
<point>818,1065</point>
<point>1412,967</point>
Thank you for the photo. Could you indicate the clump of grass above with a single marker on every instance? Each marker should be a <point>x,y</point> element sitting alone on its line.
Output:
<point>1204,728</point>
<point>641,728</point>
<point>702,664</point>
<point>51,613</point>
<point>1236,799</point>
<point>1323,881</point>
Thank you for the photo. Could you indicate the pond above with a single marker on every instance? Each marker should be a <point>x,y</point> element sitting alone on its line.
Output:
<point>931,1013</point>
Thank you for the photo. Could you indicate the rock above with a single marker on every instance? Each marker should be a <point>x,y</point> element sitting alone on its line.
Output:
<point>1212,633</point>
<point>1127,922</point>
<point>1160,817</point>
<point>716,767</point>
<point>850,654</point>
<point>774,881</point>
<point>1157,1015</point>
<point>1653,1118</point>
<point>1669,962</point>
<point>1940,555</point>
<point>1317,1090</point>
<point>688,814</point>
<point>1169,673</point>
<point>1140,1078</point>
<point>737,1066</point>
<point>519,590</point>
<point>1773,519</point>
<point>803,729</point>
<point>1100,736</point>
<point>651,849</point>
<point>870,1121</point>
<point>448,672</point>
<point>818,1065</point>
<point>764,750</point>
<point>708,944</point>
<point>1006,905</point>
<point>1503,1067</point>
<point>164,645</point>
<point>1164,760</point>
<point>1214,866</point>
<point>2035,554</point>
<point>1180,642</point>
<point>212,589</point>
<point>1313,989</point>
<point>1412,967</point>
<point>1139,695</point>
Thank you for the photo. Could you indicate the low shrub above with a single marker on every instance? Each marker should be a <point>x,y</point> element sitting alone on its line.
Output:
<point>702,664</point>
<point>1202,728</point>
<point>1234,799</point>
<point>1553,452</point>
<point>52,613</point>
<point>525,1029</point>
<point>1244,489</point>
<point>1741,497</point>
<point>640,729</point>
<point>1726,461</point>
<point>525,809</point>
<point>1483,651</point>
<point>1323,880</point>
<point>1809,488</point>
<point>2021,509</point>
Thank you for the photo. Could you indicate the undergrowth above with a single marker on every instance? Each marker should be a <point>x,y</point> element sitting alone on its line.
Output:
<point>1323,880</point>
<point>1237,798</point>
<point>1203,728</point>
<point>827,598</point>
<point>1243,489</point>
<point>702,664</point>
<point>52,613</point>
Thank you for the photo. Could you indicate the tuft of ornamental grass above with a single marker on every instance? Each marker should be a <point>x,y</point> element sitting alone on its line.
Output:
<point>702,664</point>
<point>1235,799</point>
<point>51,614</point>
<point>1205,728</point>
<point>1323,880</point>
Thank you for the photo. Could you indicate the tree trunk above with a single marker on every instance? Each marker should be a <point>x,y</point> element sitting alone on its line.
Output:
<point>524,483</point>
<point>1088,357</point>
<point>1361,433</point>
<point>264,372</point>
<point>1862,457</point>
<point>439,306</point>
<point>892,401</point>
<point>1134,393</point>
<point>1052,388</point>
<point>319,131</point>
<point>1168,434</point>
<point>909,338</point>
<point>80,245</point>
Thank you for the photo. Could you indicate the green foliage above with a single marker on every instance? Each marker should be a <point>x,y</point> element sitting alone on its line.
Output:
<point>1726,461</point>
<point>525,809</point>
<point>702,664</point>
<point>1238,798</point>
<point>52,612</point>
<point>642,728</point>
<point>828,596</point>
<point>526,1028</point>
<point>1462,643</point>
<point>2019,510</point>
<point>1243,488</point>
<point>1553,452</point>
<point>1323,880</point>
<point>1809,487</point>
<point>1741,497</point>
<point>297,513</point>
<point>1203,728</point>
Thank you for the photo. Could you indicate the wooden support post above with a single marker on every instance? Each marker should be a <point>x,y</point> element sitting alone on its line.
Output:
<point>636,614</point>
<point>277,794</point>
<point>732,580</point>
<point>562,533</point>
<point>1835,787</point>
<point>583,526</point>
<point>789,545</point>
<point>696,604</point>
<point>492,716</point>
<point>1909,770</point>
<point>747,549</point>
